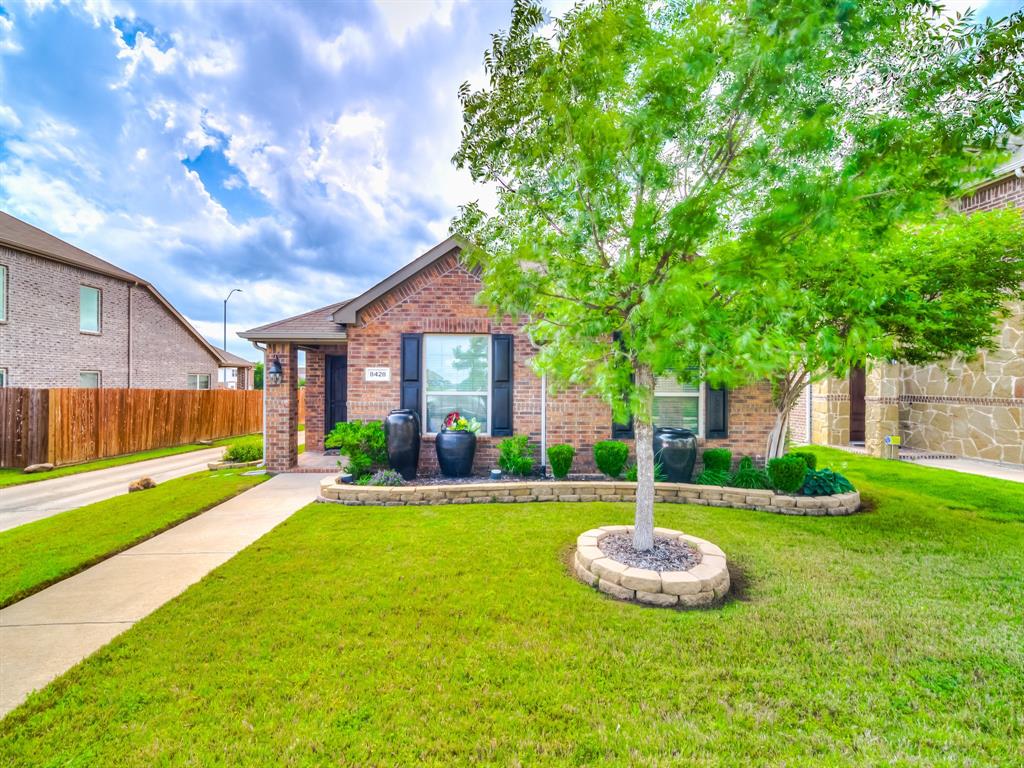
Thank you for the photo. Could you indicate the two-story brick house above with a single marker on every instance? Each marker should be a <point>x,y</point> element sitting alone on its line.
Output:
<point>418,340</point>
<point>71,319</point>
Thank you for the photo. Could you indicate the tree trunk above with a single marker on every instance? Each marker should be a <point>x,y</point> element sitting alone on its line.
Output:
<point>777,437</point>
<point>643,432</point>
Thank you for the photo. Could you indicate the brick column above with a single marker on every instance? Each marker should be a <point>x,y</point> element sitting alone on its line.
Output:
<point>316,400</point>
<point>282,409</point>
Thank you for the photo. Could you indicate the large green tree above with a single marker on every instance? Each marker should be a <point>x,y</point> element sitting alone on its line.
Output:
<point>663,168</point>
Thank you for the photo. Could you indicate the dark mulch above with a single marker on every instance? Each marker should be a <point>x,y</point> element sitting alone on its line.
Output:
<point>667,555</point>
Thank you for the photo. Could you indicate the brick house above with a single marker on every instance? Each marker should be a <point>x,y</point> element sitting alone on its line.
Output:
<point>418,340</point>
<point>71,319</point>
<point>972,409</point>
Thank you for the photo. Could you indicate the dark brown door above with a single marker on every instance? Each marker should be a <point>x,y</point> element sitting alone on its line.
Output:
<point>857,406</point>
<point>337,390</point>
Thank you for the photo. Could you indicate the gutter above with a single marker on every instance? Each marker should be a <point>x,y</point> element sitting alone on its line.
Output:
<point>264,351</point>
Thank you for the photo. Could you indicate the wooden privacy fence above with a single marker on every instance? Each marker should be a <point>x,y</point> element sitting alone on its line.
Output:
<point>67,426</point>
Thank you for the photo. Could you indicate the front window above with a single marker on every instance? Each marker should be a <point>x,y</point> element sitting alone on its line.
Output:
<point>89,379</point>
<point>199,381</point>
<point>88,309</point>
<point>457,378</point>
<point>676,404</point>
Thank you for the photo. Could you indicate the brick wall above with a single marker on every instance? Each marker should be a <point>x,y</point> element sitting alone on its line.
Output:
<point>282,409</point>
<point>998,194</point>
<point>41,345</point>
<point>441,300</point>
<point>314,400</point>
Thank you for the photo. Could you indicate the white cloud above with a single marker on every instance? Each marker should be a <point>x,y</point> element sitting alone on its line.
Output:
<point>403,17</point>
<point>27,193</point>
<point>9,118</point>
<point>351,43</point>
<point>353,159</point>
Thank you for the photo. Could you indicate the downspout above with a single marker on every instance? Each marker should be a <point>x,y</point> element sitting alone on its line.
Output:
<point>264,351</point>
<point>129,382</point>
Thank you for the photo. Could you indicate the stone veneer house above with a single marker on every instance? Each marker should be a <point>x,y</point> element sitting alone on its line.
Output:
<point>418,340</point>
<point>972,409</point>
<point>71,319</point>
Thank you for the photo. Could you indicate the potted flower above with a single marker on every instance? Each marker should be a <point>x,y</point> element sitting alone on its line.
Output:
<point>456,445</point>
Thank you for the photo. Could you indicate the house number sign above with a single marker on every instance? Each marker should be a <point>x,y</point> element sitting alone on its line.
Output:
<point>378,374</point>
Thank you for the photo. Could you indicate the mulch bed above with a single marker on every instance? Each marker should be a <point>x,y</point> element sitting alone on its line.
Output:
<point>442,480</point>
<point>667,555</point>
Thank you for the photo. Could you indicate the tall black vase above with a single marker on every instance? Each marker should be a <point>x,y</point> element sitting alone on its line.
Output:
<point>402,429</point>
<point>455,452</point>
<point>676,449</point>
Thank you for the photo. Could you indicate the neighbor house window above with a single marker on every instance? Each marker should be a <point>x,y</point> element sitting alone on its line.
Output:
<point>676,404</point>
<point>3,293</point>
<point>89,304</point>
<point>3,377</point>
<point>457,378</point>
<point>199,381</point>
<point>89,379</point>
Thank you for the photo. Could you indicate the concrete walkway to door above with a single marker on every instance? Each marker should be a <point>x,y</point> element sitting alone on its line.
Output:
<point>46,634</point>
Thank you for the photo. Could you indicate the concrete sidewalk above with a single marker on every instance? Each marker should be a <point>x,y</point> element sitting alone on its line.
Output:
<point>972,467</point>
<point>46,634</point>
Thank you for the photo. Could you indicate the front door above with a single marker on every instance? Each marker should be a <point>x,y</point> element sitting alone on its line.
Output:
<point>857,405</point>
<point>337,390</point>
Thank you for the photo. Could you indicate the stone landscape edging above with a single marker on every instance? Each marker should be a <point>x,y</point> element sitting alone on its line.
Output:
<point>214,465</point>
<point>589,490</point>
<point>698,587</point>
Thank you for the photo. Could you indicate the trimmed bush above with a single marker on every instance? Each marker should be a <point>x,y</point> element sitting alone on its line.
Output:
<point>659,473</point>
<point>749,476</point>
<point>561,457</point>
<point>787,473</point>
<point>363,442</point>
<point>825,482</point>
<point>515,455</point>
<point>610,457</point>
<point>245,449</point>
<point>718,459</point>
<point>810,459</point>
<point>712,477</point>
<point>385,477</point>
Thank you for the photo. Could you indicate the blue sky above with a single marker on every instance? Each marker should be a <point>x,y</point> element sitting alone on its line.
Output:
<point>300,152</point>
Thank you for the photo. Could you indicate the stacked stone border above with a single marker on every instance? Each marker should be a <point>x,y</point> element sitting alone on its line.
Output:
<point>698,587</point>
<point>602,490</point>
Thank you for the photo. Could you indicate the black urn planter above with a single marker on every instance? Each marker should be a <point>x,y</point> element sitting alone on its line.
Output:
<point>455,452</point>
<point>676,449</point>
<point>402,429</point>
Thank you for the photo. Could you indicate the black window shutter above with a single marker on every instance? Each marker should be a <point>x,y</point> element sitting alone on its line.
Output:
<point>501,385</point>
<point>412,373</point>
<point>717,412</point>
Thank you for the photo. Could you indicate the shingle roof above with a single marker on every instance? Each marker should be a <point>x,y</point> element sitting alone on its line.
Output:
<point>232,360</point>
<point>22,236</point>
<point>315,325</point>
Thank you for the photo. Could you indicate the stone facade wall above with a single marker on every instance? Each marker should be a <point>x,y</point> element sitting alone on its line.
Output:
<point>441,299</point>
<point>41,344</point>
<point>568,490</point>
<point>830,412</point>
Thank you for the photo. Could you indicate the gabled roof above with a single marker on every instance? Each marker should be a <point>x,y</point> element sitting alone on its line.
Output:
<point>348,312</point>
<point>313,327</point>
<point>231,360</point>
<point>22,236</point>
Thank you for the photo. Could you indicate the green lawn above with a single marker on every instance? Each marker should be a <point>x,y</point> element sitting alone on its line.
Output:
<point>453,635</point>
<point>9,477</point>
<point>41,553</point>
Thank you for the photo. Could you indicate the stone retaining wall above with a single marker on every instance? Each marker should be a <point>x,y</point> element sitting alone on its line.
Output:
<point>567,490</point>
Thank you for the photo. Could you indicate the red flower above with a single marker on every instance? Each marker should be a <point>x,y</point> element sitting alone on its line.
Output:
<point>451,418</point>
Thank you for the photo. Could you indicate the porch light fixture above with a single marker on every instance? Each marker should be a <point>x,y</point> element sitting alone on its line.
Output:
<point>274,373</point>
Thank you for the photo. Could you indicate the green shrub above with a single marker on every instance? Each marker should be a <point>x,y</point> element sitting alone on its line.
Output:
<point>749,476</point>
<point>787,473</point>
<point>659,473</point>
<point>825,482</point>
<point>610,457</point>
<point>385,477</point>
<point>810,459</point>
<point>717,458</point>
<point>712,477</point>
<point>561,457</point>
<point>363,442</point>
<point>515,455</point>
<point>245,449</point>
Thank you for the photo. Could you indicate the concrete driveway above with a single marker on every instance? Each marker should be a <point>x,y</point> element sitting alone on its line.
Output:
<point>24,503</point>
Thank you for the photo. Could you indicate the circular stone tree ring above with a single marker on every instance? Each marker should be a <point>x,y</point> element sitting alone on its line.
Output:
<point>702,585</point>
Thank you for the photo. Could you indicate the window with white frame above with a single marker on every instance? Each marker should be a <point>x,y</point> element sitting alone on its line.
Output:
<point>89,309</point>
<point>676,404</point>
<point>457,376</point>
<point>89,379</point>
<point>3,293</point>
<point>199,381</point>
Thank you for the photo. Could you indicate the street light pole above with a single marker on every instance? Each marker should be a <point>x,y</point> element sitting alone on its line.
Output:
<point>233,290</point>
